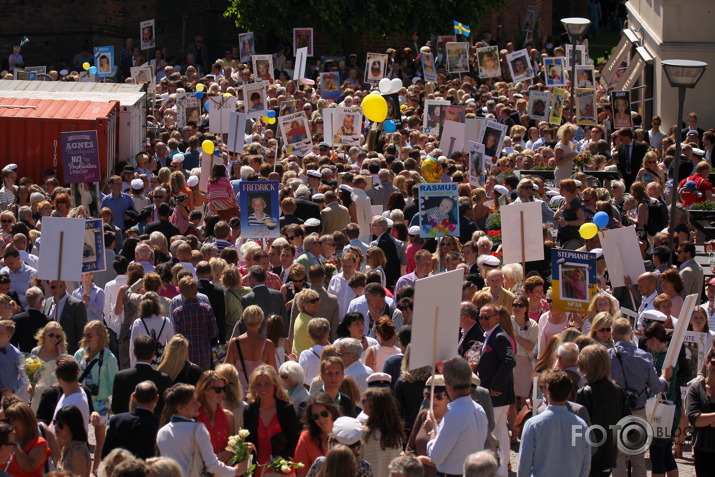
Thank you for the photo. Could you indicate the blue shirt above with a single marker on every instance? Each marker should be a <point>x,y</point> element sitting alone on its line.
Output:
<point>118,205</point>
<point>20,280</point>
<point>554,443</point>
<point>95,306</point>
<point>639,372</point>
<point>11,365</point>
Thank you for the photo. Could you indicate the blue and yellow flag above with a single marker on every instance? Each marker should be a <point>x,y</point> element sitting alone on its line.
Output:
<point>460,29</point>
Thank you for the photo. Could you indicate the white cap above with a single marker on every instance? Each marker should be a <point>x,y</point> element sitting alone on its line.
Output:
<point>534,186</point>
<point>192,181</point>
<point>347,430</point>
<point>314,173</point>
<point>414,230</point>
<point>178,158</point>
<point>491,261</point>
<point>10,167</point>
<point>346,187</point>
<point>318,197</point>
<point>653,315</point>
<point>312,222</point>
<point>551,193</point>
<point>501,189</point>
<point>598,252</point>
<point>137,184</point>
<point>577,182</point>
<point>378,378</point>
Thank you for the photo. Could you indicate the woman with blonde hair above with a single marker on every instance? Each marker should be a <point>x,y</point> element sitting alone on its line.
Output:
<point>564,153</point>
<point>97,367</point>
<point>164,467</point>
<point>547,356</point>
<point>51,343</point>
<point>250,350</point>
<point>176,364</point>
<point>210,391</point>
<point>601,302</point>
<point>177,183</point>
<point>307,302</point>
<point>650,170</point>
<point>601,331</point>
<point>376,260</point>
<point>270,417</point>
<point>233,396</point>
<point>446,245</point>
<point>672,285</point>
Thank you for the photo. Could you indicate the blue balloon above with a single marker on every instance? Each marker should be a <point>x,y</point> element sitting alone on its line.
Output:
<point>207,105</point>
<point>600,219</point>
<point>199,94</point>
<point>389,126</point>
<point>93,70</point>
<point>271,114</point>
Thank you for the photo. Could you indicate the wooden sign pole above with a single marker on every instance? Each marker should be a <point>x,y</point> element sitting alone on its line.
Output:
<point>523,252</point>
<point>434,358</point>
<point>59,274</point>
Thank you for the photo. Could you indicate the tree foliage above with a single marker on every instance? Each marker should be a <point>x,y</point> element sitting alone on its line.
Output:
<point>351,20</point>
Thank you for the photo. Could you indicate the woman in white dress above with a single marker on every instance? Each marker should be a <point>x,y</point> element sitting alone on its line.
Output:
<point>52,343</point>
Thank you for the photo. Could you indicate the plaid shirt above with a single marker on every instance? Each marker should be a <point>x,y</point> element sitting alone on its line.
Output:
<point>196,321</point>
<point>273,281</point>
<point>381,192</point>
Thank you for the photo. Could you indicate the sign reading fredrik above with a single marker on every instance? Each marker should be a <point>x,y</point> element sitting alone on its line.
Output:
<point>80,156</point>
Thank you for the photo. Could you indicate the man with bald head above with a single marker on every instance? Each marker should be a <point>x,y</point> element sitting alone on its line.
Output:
<point>644,292</point>
<point>136,430</point>
<point>495,285</point>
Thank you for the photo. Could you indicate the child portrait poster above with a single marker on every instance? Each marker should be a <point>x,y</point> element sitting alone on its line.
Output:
<point>146,33</point>
<point>455,113</point>
<point>259,210</point>
<point>519,65</point>
<point>347,126</point>
<point>188,107</point>
<point>585,77</point>
<point>439,210</point>
<point>393,108</point>
<point>488,62</point>
<point>554,71</point>
<point>375,67</point>
<point>539,102</point>
<point>263,68</point>
<point>295,132</point>
<point>431,119</point>
<point>556,108</point>
<point>574,279</point>
<point>287,107</point>
<point>457,57</point>
<point>142,74</point>
<point>93,257</point>
<point>581,55</point>
<point>428,70</point>
<point>254,99</point>
<point>104,60</point>
<point>330,85</point>
<point>586,107</point>
<point>621,106</point>
<point>492,137</point>
<point>477,165</point>
<point>248,48</point>
<point>303,38</point>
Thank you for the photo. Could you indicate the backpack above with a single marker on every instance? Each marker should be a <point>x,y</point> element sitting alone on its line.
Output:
<point>159,348</point>
<point>657,217</point>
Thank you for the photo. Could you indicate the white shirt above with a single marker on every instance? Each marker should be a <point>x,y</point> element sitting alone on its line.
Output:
<point>111,291</point>
<point>359,372</point>
<point>309,360</point>
<point>154,325</point>
<point>57,313</point>
<point>363,207</point>
<point>79,400</point>
<point>28,258</point>
<point>339,287</point>
<point>179,441</point>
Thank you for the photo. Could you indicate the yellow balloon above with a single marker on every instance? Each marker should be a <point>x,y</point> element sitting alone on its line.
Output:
<point>431,170</point>
<point>265,119</point>
<point>227,95</point>
<point>374,107</point>
<point>208,147</point>
<point>271,120</point>
<point>588,230</point>
<point>200,87</point>
<point>86,66</point>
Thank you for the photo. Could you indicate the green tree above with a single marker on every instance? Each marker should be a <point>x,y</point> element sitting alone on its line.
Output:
<point>348,21</point>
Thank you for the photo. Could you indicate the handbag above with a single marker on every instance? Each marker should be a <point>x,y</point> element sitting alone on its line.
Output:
<point>524,415</point>
<point>661,414</point>
<point>197,467</point>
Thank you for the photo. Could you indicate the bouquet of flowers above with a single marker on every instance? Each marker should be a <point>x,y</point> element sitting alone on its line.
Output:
<point>583,159</point>
<point>330,269</point>
<point>495,236</point>
<point>33,369</point>
<point>279,465</point>
<point>241,449</point>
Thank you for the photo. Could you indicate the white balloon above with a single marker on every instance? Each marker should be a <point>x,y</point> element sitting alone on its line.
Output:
<point>385,85</point>
<point>395,85</point>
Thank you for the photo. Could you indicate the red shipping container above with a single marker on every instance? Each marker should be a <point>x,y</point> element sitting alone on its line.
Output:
<point>30,133</point>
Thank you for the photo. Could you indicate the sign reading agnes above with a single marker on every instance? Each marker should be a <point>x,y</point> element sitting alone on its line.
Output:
<point>80,156</point>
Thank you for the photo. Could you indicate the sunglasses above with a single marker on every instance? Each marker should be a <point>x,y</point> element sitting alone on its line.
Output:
<point>518,305</point>
<point>607,330</point>
<point>8,221</point>
<point>317,416</point>
<point>218,389</point>
<point>298,281</point>
<point>160,197</point>
<point>291,238</point>
<point>485,317</point>
<point>314,301</point>
<point>437,396</point>
<point>53,335</point>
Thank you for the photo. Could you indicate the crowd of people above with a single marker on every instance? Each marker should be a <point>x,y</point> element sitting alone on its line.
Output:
<point>194,334</point>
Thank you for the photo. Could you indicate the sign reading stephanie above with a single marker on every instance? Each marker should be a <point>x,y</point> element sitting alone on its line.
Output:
<point>80,156</point>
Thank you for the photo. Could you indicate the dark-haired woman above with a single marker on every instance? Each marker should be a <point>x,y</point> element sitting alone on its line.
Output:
<point>318,418</point>
<point>220,194</point>
<point>72,437</point>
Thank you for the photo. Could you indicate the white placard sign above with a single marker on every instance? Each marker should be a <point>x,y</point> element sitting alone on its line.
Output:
<point>301,57</point>
<point>622,254</point>
<point>679,334</point>
<point>436,318</point>
<point>70,232</point>
<point>512,227</point>
<point>236,131</point>
<point>220,110</point>
<point>452,139</point>
<point>328,117</point>
<point>207,163</point>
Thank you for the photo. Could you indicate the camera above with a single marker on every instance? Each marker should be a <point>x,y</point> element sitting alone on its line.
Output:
<point>93,389</point>
<point>631,399</point>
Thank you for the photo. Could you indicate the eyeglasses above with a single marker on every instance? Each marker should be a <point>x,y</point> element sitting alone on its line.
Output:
<point>518,304</point>
<point>445,244</point>
<point>485,317</point>
<point>218,389</point>
<point>291,238</point>
<point>9,221</point>
<point>314,301</point>
<point>322,414</point>
<point>53,335</point>
<point>607,330</point>
<point>331,244</point>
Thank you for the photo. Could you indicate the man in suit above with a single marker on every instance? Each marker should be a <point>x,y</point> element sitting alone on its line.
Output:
<point>162,224</point>
<point>304,208</point>
<point>204,285</point>
<point>270,301</point>
<point>28,322</point>
<point>496,370</point>
<point>388,245</point>
<point>334,217</point>
<point>690,271</point>
<point>630,156</point>
<point>470,331</point>
<point>495,285</point>
<point>126,380</point>
<point>328,308</point>
<point>158,196</point>
<point>71,313</point>
<point>136,430</point>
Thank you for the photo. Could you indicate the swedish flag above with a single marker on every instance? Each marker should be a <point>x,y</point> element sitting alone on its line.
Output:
<point>460,29</point>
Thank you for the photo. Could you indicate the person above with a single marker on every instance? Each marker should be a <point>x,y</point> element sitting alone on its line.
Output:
<point>71,313</point>
<point>72,439</point>
<point>690,271</point>
<point>495,285</point>
<point>384,436</point>
<point>118,202</point>
<point>220,194</point>
<point>630,155</point>
<point>463,429</point>
<point>332,372</point>
<point>481,464</point>
<point>175,362</point>
<point>29,321</point>
<point>496,371</point>
<point>219,422</point>
<point>350,350</point>
<point>570,215</point>
<point>309,360</point>
<point>31,450</point>
<point>215,296</point>
<point>233,395</point>
<point>406,466</point>
<point>50,345</point>
<point>7,447</point>
<point>98,366</point>
<point>73,394</point>
<point>348,432</point>
<point>307,303</point>
<point>701,416</point>
<point>135,430</point>
<point>386,335</point>
<point>419,436</point>
<point>564,153</point>
<point>292,375</point>
<point>318,417</point>
<point>250,350</point>
<point>186,441</point>
<point>602,329</point>
<point>605,402</point>
<point>196,321</point>
<point>91,296</point>
<point>152,323</point>
<point>270,417</point>
<point>268,299</point>
<point>526,333</point>
<point>387,243</point>
<point>547,434</point>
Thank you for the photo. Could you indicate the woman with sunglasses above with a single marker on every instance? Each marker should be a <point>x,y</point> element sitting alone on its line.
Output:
<point>51,343</point>
<point>651,171</point>
<point>701,415</point>
<point>417,443</point>
<point>210,391</point>
<point>296,283</point>
<point>307,302</point>
<point>318,417</point>
<point>601,329</point>
<point>72,439</point>
<point>7,220</point>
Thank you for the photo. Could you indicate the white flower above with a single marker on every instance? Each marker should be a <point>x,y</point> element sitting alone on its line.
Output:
<point>243,433</point>
<point>229,448</point>
<point>299,465</point>
<point>232,441</point>
<point>285,469</point>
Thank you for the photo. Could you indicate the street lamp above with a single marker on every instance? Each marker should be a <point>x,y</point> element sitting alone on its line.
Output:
<point>575,27</point>
<point>681,74</point>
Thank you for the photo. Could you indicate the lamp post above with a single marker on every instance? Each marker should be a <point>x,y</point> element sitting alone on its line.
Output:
<point>575,27</point>
<point>681,74</point>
